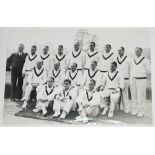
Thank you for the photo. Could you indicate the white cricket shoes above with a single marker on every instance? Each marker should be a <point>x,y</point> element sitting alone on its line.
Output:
<point>63,115</point>
<point>84,120</point>
<point>36,110</point>
<point>140,114</point>
<point>78,118</point>
<point>104,112</point>
<point>126,111</point>
<point>56,115</point>
<point>134,112</point>
<point>24,105</point>
<point>110,114</point>
<point>44,112</point>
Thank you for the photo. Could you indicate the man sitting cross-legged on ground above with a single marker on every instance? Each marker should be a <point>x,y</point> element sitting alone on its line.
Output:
<point>36,80</point>
<point>88,102</point>
<point>64,99</point>
<point>113,83</point>
<point>45,96</point>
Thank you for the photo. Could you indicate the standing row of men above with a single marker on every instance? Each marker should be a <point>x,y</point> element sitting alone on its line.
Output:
<point>111,73</point>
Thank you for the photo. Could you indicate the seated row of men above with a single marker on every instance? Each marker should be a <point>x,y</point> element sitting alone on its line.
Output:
<point>88,95</point>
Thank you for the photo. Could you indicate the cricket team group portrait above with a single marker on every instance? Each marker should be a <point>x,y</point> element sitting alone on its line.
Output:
<point>78,76</point>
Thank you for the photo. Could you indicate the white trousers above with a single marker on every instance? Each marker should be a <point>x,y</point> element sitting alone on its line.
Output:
<point>125,95</point>
<point>25,82</point>
<point>65,106</point>
<point>91,110</point>
<point>28,90</point>
<point>138,94</point>
<point>42,105</point>
<point>114,97</point>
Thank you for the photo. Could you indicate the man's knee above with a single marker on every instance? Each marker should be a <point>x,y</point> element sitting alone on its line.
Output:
<point>114,97</point>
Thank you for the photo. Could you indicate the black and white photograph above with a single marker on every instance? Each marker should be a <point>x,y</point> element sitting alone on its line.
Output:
<point>77,77</point>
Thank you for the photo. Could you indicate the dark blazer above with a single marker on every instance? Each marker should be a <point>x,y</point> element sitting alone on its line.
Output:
<point>16,61</point>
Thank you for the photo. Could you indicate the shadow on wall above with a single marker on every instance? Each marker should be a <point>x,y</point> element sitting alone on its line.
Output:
<point>8,87</point>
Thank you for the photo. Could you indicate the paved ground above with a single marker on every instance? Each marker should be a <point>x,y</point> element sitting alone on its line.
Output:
<point>120,119</point>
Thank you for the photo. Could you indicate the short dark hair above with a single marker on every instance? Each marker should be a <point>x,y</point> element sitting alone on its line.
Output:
<point>122,48</point>
<point>67,80</point>
<point>93,43</point>
<point>46,46</point>
<point>140,48</point>
<point>51,77</point>
<point>75,64</point>
<point>95,62</point>
<point>61,46</point>
<point>34,46</point>
<point>92,80</point>
<point>108,45</point>
<point>114,63</point>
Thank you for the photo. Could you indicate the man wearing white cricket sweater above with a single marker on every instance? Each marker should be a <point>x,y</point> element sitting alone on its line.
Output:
<point>58,74</point>
<point>77,56</point>
<point>88,102</point>
<point>36,80</point>
<point>140,70</point>
<point>29,64</point>
<point>45,96</point>
<point>74,75</point>
<point>62,58</point>
<point>64,100</point>
<point>113,84</point>
<point>105,59</point>
<point>47,59</point>
<point>91,55</point>
<point>92,73</point>
<point>124,66</point>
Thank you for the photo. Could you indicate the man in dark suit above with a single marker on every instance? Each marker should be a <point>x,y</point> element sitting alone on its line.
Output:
<point>16,62</point>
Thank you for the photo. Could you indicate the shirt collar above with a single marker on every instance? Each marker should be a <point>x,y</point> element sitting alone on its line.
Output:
<point>49,87</point>
<point>20,53</point>
<point>122,56</point>
<point>56,70</point>
<point>113,72</point>
<point>74,71</point>
<point>32,56</point>
<point>92,52</point>
<point>138,58</point>
<point>93,70</point>
<point>107,54</point>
